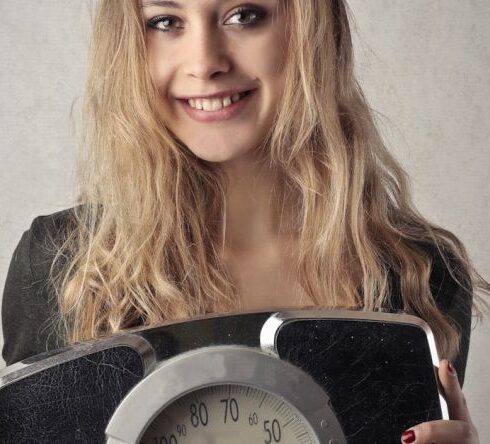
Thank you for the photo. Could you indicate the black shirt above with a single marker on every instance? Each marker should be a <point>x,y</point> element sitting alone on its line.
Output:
<point>29,303</point>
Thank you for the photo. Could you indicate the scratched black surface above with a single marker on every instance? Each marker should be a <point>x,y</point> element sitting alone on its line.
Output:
<point>378,376</point>
<point>242,329</point>
<point>71,402</point>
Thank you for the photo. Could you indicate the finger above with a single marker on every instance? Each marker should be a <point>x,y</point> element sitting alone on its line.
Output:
<point>442,431</point>
<point>455,399</point>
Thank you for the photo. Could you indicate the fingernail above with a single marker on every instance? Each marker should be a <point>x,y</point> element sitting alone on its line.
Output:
<point>408,436</point>
<point>451,368</point>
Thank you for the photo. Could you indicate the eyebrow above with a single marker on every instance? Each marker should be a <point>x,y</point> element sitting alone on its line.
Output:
<point>169,3</point>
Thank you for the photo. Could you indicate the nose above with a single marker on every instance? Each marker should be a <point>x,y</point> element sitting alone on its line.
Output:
<point>208,54</point>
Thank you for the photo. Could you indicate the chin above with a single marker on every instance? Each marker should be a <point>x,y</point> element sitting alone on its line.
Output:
<point>218,156</point>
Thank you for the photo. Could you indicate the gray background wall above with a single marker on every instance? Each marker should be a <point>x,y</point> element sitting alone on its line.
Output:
<point>424,65</point>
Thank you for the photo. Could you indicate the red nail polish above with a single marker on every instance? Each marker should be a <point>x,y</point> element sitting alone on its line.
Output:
<point>408,436</point>
<point>451,368</point>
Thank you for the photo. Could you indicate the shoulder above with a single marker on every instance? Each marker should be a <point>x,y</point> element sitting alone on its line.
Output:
<point>46,235</point>
<point>450,282</point>
<point>41,241</point>
<point>52,226</point>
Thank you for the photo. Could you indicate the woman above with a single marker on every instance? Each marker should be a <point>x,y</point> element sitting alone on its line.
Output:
<point>285,197</point>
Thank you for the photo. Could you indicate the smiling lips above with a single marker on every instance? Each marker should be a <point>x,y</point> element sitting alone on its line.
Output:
<point>215,104</point>
<point>218,95</point>
<point>228,108</point>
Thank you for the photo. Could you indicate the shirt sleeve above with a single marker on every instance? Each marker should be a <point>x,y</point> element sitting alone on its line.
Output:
<point>27,306</point>
<point>456,304</point>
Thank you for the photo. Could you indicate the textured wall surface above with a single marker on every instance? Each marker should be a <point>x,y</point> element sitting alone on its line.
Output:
<point>424,66</point>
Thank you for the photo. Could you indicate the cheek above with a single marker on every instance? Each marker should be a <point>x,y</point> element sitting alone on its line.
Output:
<point>158,66</point>
<point>272,63</point>
<point>151,51</point>
<point>274,70</point>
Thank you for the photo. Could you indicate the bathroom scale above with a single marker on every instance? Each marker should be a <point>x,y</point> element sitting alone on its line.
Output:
<point>296,376</point>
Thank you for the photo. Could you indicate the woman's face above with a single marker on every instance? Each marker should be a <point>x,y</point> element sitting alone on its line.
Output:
<point>198,49</point>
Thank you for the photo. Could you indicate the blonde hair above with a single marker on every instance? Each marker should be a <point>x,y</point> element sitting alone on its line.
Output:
<point>142,245</point>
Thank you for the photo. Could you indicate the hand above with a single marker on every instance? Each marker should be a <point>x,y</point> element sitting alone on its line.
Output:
<point>459,429</point>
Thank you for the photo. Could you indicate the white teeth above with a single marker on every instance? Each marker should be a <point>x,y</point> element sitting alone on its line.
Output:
<point>213,104</point>
<point>227,101</point>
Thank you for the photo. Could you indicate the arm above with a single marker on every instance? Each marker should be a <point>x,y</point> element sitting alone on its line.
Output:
<point>452,300</point>
<point>27,305</point>
<point>455,302</point>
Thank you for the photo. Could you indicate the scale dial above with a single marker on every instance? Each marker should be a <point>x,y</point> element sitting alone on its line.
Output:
<point>225,394</point>
<point>231,414</point>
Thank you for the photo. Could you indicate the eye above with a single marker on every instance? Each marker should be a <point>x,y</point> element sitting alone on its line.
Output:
<point>161,23</point>
<point>257,13</point>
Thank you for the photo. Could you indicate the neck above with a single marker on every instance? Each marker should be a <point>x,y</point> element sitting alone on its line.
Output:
<point>252,217</point>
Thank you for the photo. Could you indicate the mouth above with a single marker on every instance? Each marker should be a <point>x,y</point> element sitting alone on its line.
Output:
<point>242,94</point>
<point>224,113</point>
